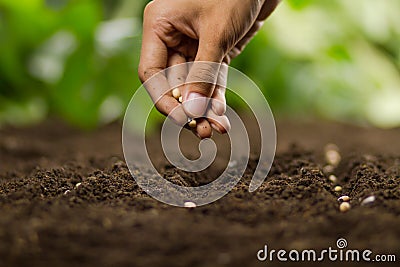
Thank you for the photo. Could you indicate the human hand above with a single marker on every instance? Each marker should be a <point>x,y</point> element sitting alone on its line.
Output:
<point>180,31</point>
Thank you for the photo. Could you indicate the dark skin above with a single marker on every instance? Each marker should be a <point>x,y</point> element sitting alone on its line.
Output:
<point>180,31</point>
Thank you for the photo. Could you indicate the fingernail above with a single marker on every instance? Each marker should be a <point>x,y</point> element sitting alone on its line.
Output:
<point>195,104</point>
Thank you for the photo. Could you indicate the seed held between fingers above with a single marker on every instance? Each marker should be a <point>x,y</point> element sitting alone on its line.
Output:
<point>180,99</point>
<point>193,123</point>
<point>176,93</point>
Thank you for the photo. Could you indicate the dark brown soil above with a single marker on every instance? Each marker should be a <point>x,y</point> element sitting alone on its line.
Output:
<point>67,199</point>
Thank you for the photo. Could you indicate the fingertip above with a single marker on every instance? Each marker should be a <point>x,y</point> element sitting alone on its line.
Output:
<point>203,129</point>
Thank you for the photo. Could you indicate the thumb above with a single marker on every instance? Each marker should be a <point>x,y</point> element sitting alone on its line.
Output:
<point>202,77</point>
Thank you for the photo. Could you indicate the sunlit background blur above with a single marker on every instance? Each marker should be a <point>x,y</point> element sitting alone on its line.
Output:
<point>77,60</point>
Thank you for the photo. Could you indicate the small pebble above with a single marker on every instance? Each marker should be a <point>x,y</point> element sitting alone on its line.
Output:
<point>332,178</point>
<point>338,188</point>
<point>180,99</point>
<point>190,204</point>
<point>344,199</point>
<point>192,123</point>
<point>344,206</point>
<point>368,200</point>
<point>176,93</point>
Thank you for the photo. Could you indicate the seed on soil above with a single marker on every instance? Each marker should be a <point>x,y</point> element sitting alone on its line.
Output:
<point>338,188</point>
<point>328,169</point>
<point>176,93</point>
<point>368,200</point>
<point>332,178</point>
<point>78,185</point>
<point>344,206</point>
<point>344,199</point>
<point>193,123</point>
<point>180,99</point>
<point>67,192</point>
<point>332,155</point>
<point>190,204</point>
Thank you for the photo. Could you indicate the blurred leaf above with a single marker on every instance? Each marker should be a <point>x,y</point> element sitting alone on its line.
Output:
<point>299,4</point>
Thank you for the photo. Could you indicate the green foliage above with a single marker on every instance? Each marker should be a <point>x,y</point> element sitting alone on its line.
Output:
<point>55,61</point>
<point>78,59</point>
<point>335,59</point>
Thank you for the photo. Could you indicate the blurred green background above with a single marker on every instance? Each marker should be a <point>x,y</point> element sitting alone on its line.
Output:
<point>77,59</point>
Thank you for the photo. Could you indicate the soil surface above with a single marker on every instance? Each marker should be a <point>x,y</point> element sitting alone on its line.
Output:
<point>68,199</point>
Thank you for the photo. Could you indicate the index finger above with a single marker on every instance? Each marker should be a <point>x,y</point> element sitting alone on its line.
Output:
<point>153,61</point>
<point>154,52</point>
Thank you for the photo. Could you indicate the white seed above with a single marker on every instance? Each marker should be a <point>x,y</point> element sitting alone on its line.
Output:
<point>332,178</point>
<point>338,188</point>
<point>328,169</point>
<point>344,199</point>
<point>332,157</point>
<point>78,185</point>
<point>67,192</point>
<point>368,200</point>
<point>180,99</point>
<point>190,204</point>
<point>176,93</point>
<point>344,206</point>
<point>193,123</point>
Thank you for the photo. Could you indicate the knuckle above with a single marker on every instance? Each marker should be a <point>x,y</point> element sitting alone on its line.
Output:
<point>156,12</point>
<point>204,88</point>
<point>204,72</point>
<point>145,72</point>
<point>149,8</point>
